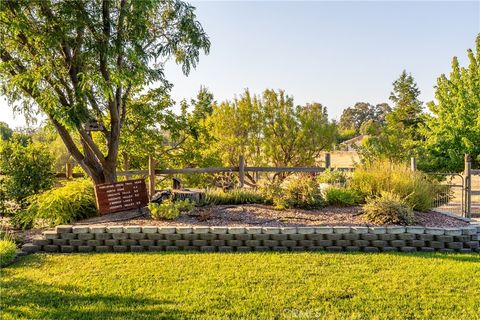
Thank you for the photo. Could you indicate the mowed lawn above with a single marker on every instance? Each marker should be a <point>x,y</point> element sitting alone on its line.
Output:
<point>246,286</point>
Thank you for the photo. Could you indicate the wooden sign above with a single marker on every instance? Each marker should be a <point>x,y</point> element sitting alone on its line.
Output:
<point>121,196</point>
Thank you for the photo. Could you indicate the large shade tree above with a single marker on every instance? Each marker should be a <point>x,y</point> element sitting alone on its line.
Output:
<point>79,62</point>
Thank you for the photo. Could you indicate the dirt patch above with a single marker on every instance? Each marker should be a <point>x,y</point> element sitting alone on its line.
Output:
<point>262,215</point>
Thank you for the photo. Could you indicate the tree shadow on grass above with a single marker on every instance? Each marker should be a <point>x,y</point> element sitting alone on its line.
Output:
<point>22,298</point>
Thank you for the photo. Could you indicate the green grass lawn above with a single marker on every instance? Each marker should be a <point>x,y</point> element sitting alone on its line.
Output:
<point>251,286</point>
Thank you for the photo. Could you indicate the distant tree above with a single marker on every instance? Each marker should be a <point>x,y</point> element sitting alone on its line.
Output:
<point>84,61</point>
<point>453,127</point>
<point>400,136</point>
<point>5,131</point>
<point>361,112</point>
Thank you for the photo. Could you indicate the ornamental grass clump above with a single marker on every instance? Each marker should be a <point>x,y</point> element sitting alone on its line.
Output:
<point>299,191</point>
<point>342,196</point>
<point>388,208</point>
<point>8,248</point>
<point>416,188</point>
<point>71,202</point>
<point>234,196</point>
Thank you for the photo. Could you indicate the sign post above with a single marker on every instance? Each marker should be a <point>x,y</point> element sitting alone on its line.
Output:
<point>121,196</point>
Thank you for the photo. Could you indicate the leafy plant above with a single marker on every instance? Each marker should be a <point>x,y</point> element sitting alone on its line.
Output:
<point>28,170</point>
<point>342,196</point>
<point>299,192</point>
<point>71,202</point>
<point>418,189</point>
<point>234,196</point>
<point>8,250</point>
<point>388,208</point>
<point>170,209</point>
<point>332,177</point>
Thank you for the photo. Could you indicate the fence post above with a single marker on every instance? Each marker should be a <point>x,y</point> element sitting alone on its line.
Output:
<point>151,176</point>
<point>68,170</point>
<point>413,164</point>
<point>241,170</point>
<point>468,185</point>
<point>328,162</point>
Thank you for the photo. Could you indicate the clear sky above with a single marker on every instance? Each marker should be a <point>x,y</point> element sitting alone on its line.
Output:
<point>335,53</point>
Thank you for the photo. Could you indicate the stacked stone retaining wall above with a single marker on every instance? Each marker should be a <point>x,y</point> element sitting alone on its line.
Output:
<point>66,239</point>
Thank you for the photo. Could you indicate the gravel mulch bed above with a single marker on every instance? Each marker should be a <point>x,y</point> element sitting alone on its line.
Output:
<point>262,215</point>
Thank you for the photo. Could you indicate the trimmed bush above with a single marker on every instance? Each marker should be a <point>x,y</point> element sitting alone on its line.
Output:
<point>418,189</point>
<point>342,196</point>
<point>69,203</point>
<point>299,191</point>
<point>170,209</point>
<point>235,196</point>
<point>332,177</point>
<point>388,208</point>
<point>8,251</point>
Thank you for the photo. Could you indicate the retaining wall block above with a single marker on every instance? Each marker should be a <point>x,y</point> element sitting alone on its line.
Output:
<point>343,243</point>
<point>306,230</point>
<point>80,229</point>
<point>119,236</point>
<point>207,249</point>
<point>60,242</point>
<point>63,229</point>
<point>85,249</point>
<point>406,236</point>
<point>136,248</point>
<point>359,230</point>
<point>218,230</point>
<point>173,236</point>
<point>379,243</point>
<point>225,249</point>
<point>279,237</point>
<point>225,236</point>
<point>103,236</point>
<point>120,248</point>
<point>352,249</point>
<point>454,245</point>
<point>351,236</point>
<point>444,238</point>
<point>190,236</point>
<point>387,236</point>
<point>103,248</point>
<point>208,236</point>
<point>334,249</point>
<point>341,230</point>
<point>453,232</point>
<point>236,230</point>
<point>323,230</point>
<point>146,243</point>
<point>288,230</point>
<point>280,249</point>
<point>296,237</point>
<point>314,236</point>
<point>50,235</point>
<point>132,229</point>
<point>67,249</point>
<point>155,248</point>
<point>253,230</point>
<point>68,236</point>
<point>111,242</point>
<point>114,229</point>
<point>41,242</point>
<point>243,237</point>
<point>30,248</point>
<point>425,237</point>
<point>154,236</point>
<point>270,230</point>
<point>244,249</point>
<point>361,243</point>
<point>427,249</point>
<point>76,242</point>
<point>324,243</point>
<point>369,236</point>
<point>389,249</point>
<point>261,249</point>
<point>166,230</point>
<point>201,230</point>
<point>221,243</point>
<point>395,230</point>
<point>333,236</point>
<point>435,231</point>
<point>85,236</point>
<point>164,243</point>
<point>408,249</point>
<point>371,249</point>
<point>415,230</point>
<point>398,243</point>
<point>149,229</point>
<point>377,230</point>
<point>470,231</point>
<point>184,230</point>
<point>97,229</point>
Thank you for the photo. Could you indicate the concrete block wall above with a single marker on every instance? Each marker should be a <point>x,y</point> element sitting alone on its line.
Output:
<point>66,239</point>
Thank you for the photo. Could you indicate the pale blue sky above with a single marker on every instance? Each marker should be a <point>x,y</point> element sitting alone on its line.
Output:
<point>335,53</point>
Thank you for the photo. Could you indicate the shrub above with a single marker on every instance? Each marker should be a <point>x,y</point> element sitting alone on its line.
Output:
<point>28,170</point>
<point>299,192</point>
<point>8,251</point>
<point>71,202</point>
<point>332,177</point>
<point>235,196</point>
<point>342,196</point>
<point>388,208</point>
<point>170,209</point>
<point>416,188</point>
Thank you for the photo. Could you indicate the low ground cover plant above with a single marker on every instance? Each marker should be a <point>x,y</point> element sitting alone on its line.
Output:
<point>234,196</point>
<point>342,196</point>
<point>8,248</point>
<point>73,201</point>
<point>416,188</point>
<point>170,209</point>
<point>388,208</point>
